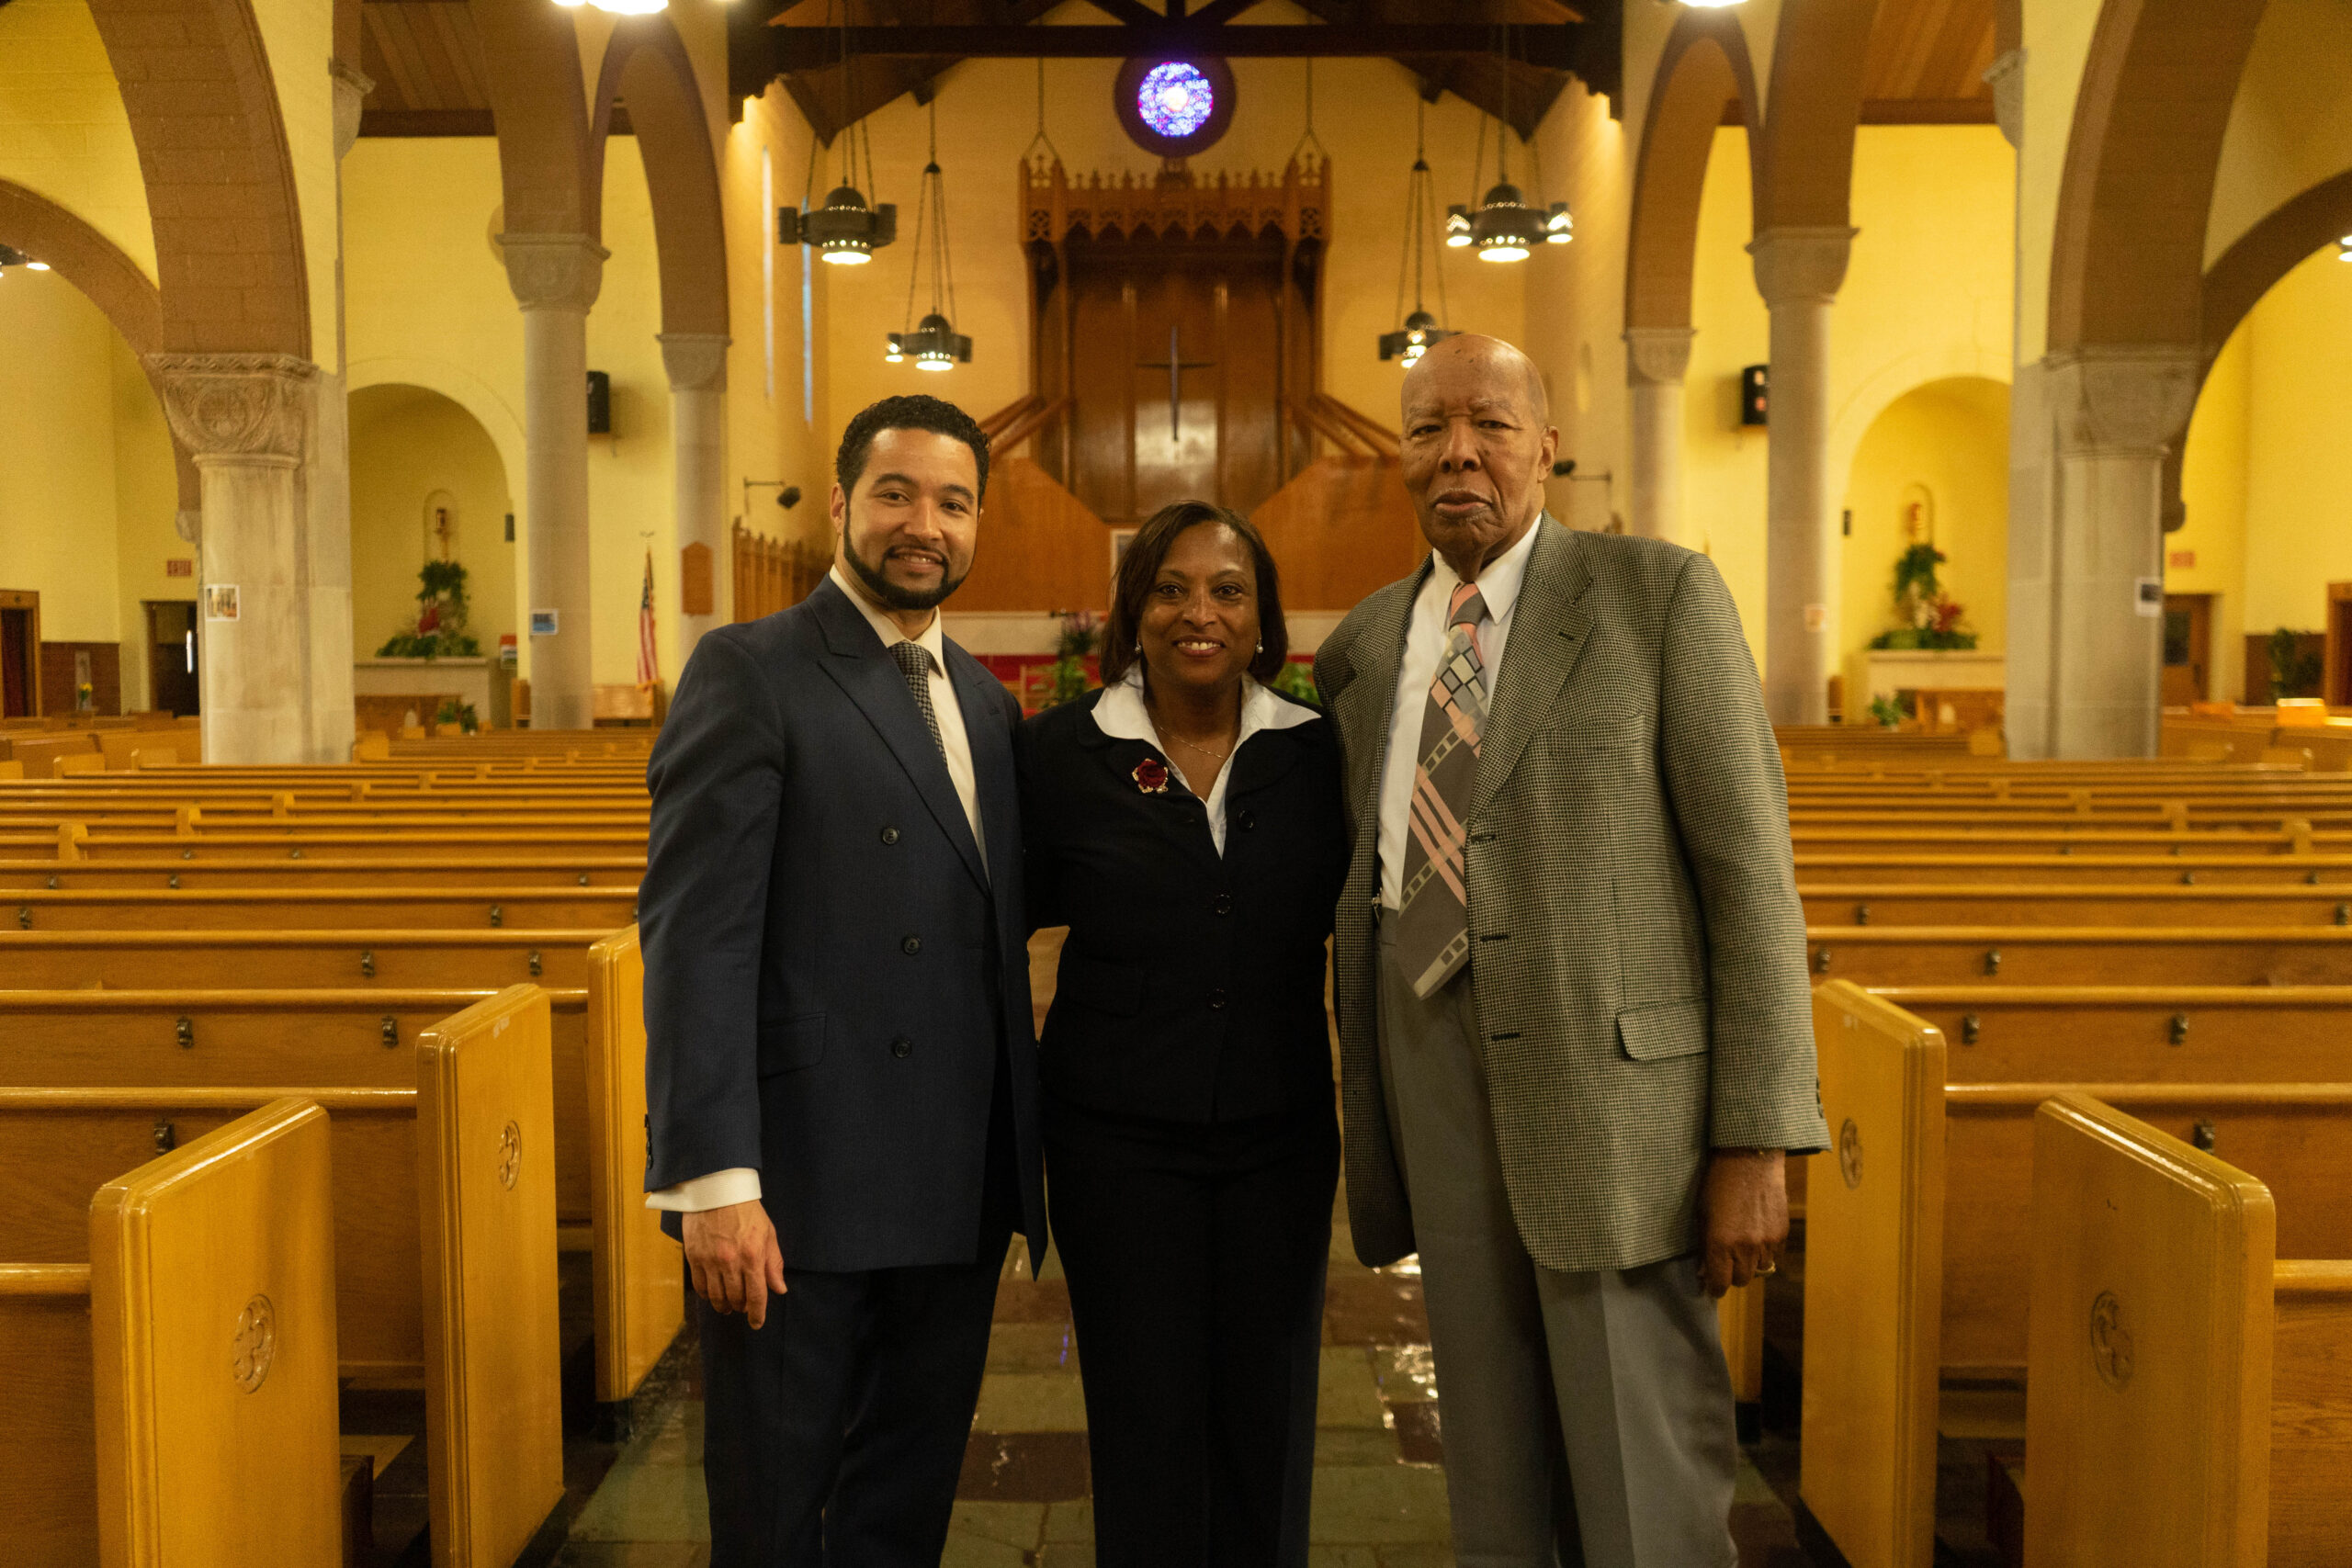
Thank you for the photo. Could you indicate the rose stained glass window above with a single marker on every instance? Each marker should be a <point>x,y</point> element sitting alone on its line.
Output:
<point>1175,99</point>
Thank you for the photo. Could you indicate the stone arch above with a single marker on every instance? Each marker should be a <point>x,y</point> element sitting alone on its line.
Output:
<point>533,55</point>
<point>462,388</point>
<point>1806,166</point>
<point>2266,252</point>
<point>107,278</point>
<point>2127,263</point>
<point>646,65</point>
<point>1705,68</point>
<point>204,113</point>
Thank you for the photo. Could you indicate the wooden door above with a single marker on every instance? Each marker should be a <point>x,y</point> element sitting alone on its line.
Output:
<point>172,656</point>
<point>1176,373</point>
<point>19,653</point>
<point>2189,648</point>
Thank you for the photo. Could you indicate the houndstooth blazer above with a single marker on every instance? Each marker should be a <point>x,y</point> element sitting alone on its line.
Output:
<point>1637,948</point>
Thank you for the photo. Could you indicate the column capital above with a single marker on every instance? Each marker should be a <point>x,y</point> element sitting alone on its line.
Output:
<point>351,85</point>
<point>1795,264</point>
<point>253,408</point>
<point>2006,76</point>
<point>2122,400</point>
<point>1657,356</point>
<point>696,361</point>
<point>553,272</point>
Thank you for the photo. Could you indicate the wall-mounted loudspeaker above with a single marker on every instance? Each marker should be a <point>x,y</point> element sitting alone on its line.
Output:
<point>600,403</point>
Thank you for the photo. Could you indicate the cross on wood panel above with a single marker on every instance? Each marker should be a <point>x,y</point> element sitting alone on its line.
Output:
<point>1175,365</point>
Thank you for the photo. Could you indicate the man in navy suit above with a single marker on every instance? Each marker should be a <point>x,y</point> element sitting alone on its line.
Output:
<point>840,1066</point>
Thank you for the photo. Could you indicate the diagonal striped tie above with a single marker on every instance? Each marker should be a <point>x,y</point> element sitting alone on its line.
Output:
<point>1433,921</point>
<point>914,663</point>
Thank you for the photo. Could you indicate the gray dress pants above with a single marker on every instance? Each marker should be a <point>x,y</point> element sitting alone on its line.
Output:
<point>1588,1413</point>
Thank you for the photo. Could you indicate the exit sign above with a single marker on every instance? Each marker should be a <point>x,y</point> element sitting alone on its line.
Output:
<point>2182,560</point>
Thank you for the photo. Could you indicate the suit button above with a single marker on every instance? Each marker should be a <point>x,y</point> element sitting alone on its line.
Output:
<point>889,835</point>
<point>1225,902</point>
<point>902,1047</point>
<point>1216,1000</point>
<point>1246,818</point>
<point>912,946</point>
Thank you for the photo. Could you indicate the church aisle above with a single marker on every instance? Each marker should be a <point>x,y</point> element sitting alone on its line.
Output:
<point>1023,1503</point>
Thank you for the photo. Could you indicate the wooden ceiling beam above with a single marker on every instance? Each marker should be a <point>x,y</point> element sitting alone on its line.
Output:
<point>1554,46</point>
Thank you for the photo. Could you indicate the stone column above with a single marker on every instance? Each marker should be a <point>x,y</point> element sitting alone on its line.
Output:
<point>698,366</point>
<point>1655,359</point>
<point>2117,409</point>
<point>1798,271</point>
<point>247,419</point>
<point>555,278</point>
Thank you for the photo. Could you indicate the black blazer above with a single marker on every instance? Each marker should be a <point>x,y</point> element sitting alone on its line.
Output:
<point>828,967</point>
<point>1191,986</point>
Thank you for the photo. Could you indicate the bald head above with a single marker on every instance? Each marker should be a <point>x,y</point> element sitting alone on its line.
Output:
<point>1490,360</point>
<point>1478,446</point>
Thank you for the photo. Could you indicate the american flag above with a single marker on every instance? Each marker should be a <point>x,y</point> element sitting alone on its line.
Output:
<point>649,668</point>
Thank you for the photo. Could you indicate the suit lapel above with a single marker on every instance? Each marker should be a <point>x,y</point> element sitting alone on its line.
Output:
<point>865,672</point>
<point>1549,626</point>
<point>979,694</point>
<point>1361,709</point>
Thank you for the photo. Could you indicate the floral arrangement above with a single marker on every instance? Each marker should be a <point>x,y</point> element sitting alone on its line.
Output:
<point>459,713</point>
<point>1297,680</point>
<point>440,628</point>
<point>1081,633</point>
<point>1928,617</point>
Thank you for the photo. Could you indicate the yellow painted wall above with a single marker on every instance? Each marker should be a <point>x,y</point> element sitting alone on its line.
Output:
<point>771,435</point>
<point>57,483</point>
<point>2299,412</point>
<point>1576,306</point>
<point>146,492</point>
<point>409,449</point>
<point>1945,447</point>
<point>63,130</point>
<point>2291,125</point>
<point>2057,35</point>
<point>299,36</point>
<point>1924,299</point>
<point>2206,555</point>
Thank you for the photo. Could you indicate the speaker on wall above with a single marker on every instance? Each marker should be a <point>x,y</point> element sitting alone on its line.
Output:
<point>600,402</point>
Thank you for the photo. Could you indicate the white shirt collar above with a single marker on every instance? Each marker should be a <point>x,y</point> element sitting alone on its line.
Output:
<point>932,641</point>
<point>1122,715</point>
<point>1498,583</point>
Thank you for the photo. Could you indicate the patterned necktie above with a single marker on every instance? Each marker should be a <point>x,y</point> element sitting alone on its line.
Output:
<point>914,663</point>
<point>1433,921</point>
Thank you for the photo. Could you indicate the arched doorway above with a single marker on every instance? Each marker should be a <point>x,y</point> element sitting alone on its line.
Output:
<point>1931,471</point>
<point>427,486</point>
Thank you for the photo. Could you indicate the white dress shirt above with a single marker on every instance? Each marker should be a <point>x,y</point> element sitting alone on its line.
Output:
<point>1122,715</point>
<point>1424,646</point>
<point>741,1184</point>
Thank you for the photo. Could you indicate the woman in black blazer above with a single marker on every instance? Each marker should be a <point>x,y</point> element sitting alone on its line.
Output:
<point>1184,823</point>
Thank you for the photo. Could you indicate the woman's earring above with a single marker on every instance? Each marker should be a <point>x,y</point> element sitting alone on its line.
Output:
<point>1262,647</point>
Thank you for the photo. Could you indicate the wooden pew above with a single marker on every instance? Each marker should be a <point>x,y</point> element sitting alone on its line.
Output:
<point>1819,872</point>
<point>294,960</point>
<point>1912,1268</point>
<point>342,908</point>
<point>369,1039</point>
<point>2077,956</point>
<point>2191,1394</point>
<point>184,1360</point>
<point>277,871</point>
<point>2165,1033</point>
<point>2059,903</point>
<point>443,1245</point>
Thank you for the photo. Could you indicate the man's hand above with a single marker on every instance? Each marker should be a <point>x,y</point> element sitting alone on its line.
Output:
<point>733,1256</point>
<point>1745,1210</point>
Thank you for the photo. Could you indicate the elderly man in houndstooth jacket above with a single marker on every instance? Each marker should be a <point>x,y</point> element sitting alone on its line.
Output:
<point>1571,989</point>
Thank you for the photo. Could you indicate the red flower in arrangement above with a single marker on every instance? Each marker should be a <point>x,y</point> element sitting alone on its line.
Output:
<point>1151,776</point>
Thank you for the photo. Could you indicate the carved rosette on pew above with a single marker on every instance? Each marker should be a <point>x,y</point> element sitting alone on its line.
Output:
<point>556,278</point>
<point>248,420</point>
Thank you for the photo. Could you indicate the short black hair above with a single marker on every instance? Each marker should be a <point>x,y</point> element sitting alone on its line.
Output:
<point>1139,568</point>
<point>913,411</point>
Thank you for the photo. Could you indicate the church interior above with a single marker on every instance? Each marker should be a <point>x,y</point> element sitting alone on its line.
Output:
<point>396,390</point>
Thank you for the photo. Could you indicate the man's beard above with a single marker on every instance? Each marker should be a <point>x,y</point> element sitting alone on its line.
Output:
<point>893,596</point>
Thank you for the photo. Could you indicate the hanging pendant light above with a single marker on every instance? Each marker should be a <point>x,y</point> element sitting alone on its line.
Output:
<point>1504,228</point>
<point>10,257</point>
<point>846,230</point>
<point>2344,248</point>
<point>1410,342</point>
<point>933,343</point>
<point>618,8</point>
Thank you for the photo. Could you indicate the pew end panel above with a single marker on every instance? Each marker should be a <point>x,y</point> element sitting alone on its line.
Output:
<point>486,1196</point>
<point>639,1273</point>
<point>2148,1402</point>
<point>212,1313</point>
<point>48,1490</point>
<point>1874,1282</point>
<point>2311,1413</point>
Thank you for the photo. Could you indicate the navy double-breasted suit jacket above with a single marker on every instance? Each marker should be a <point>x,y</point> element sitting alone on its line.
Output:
<point>831,964</point>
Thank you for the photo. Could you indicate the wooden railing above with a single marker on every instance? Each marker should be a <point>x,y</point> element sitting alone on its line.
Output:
<point>1350,429</point>
<point>1021,419</point>
<point>772,574</point>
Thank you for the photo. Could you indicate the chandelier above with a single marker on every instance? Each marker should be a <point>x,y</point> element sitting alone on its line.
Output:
<point>846,230</point>
<point>1504,226</point>
<point>1410,342</point>
<point>934,343</point>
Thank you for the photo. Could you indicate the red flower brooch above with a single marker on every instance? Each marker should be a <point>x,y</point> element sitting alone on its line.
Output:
<point>1151,776</point>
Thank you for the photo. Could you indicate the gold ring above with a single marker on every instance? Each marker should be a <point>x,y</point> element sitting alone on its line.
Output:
<point>1772,1267</point>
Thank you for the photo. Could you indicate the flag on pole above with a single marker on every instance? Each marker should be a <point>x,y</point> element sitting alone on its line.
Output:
<point>649,669</point>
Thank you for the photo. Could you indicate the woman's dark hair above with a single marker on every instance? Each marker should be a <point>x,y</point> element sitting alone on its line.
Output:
<point>1139,568</point>
<point>910,410</point>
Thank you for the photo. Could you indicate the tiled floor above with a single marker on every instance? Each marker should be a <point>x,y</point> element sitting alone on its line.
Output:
<point>1379,1491</point>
